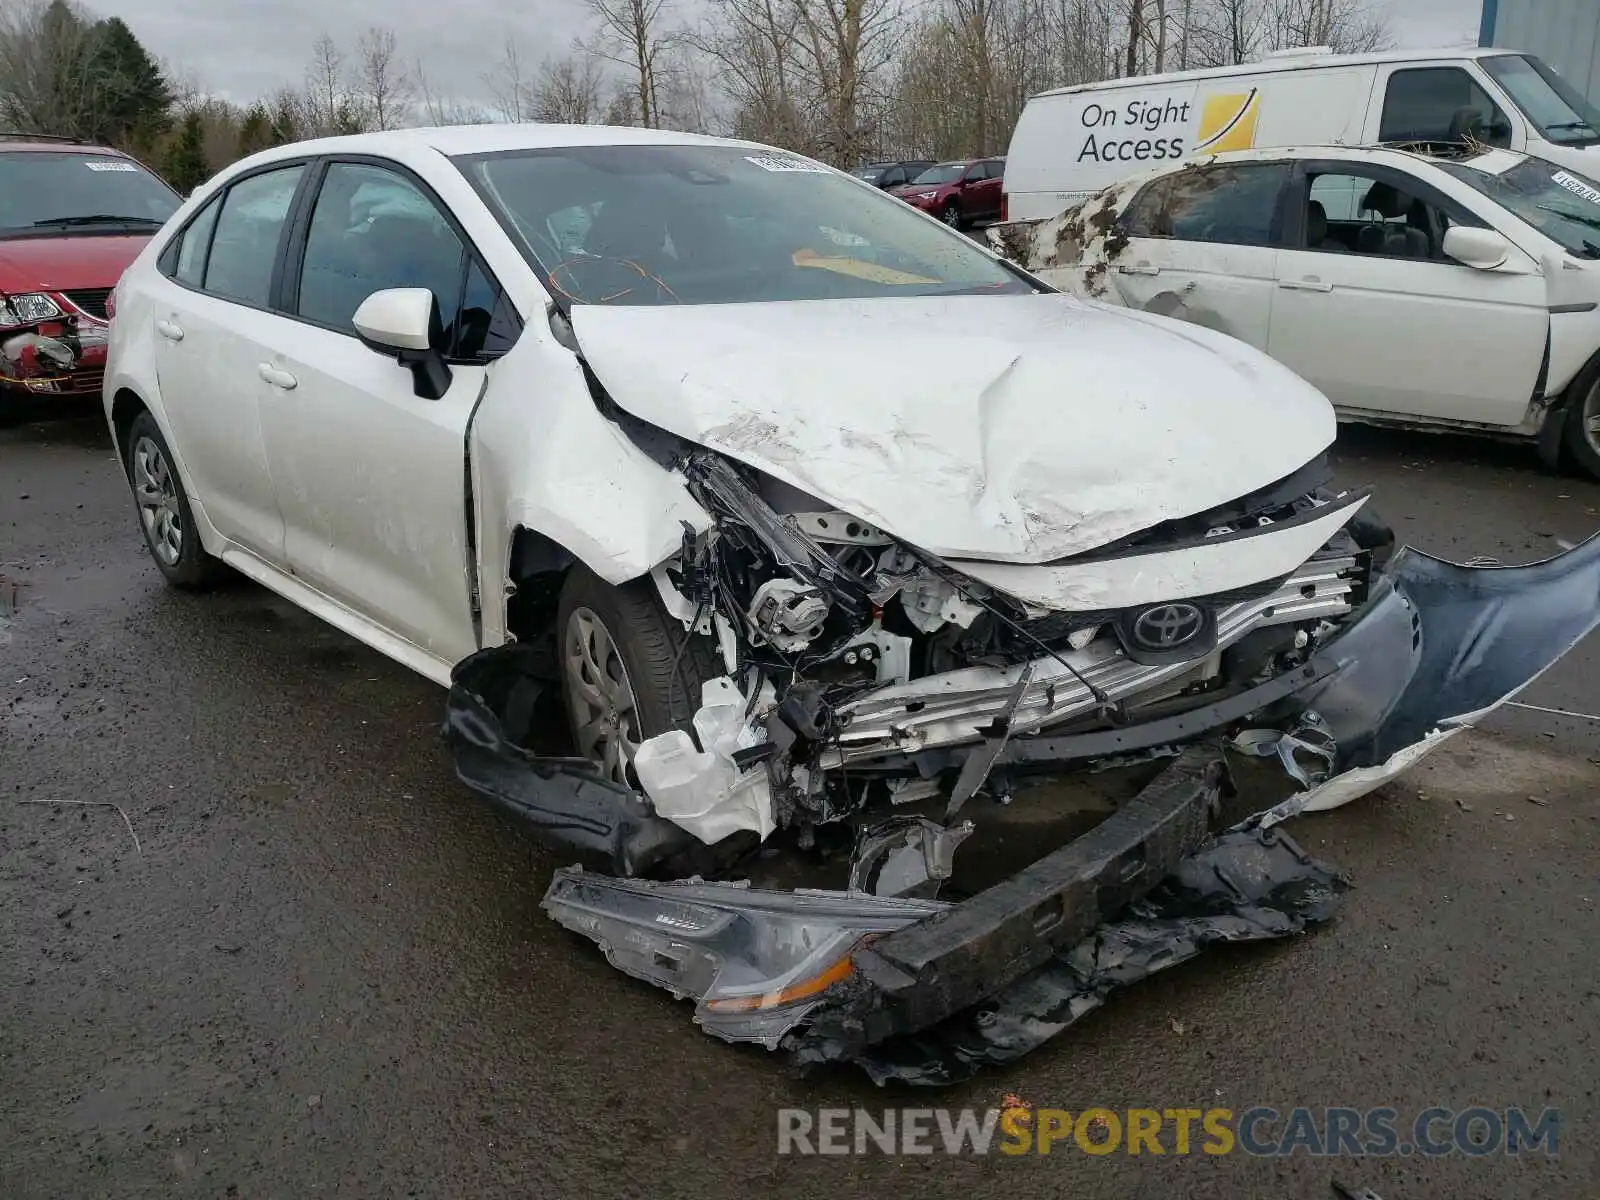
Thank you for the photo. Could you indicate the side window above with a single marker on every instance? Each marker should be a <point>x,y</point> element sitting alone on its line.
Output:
<point>1143,217</point>
<point>1356,213</point>
<point>1440,104</point>
<point>245,246</point>
<point>190,266</point>
<point>1236,204</point>
<point>487,326</point>
<point>373,229</point>
<point>893,177</point>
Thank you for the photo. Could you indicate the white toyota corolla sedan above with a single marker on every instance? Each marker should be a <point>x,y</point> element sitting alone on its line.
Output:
<point>810,514</point>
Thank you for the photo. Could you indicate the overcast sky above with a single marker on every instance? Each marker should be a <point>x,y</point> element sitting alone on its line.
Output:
<point>248,48</point>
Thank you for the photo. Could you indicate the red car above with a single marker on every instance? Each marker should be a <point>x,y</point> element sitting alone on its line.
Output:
<point>72,217</point>
<point>958,193</point>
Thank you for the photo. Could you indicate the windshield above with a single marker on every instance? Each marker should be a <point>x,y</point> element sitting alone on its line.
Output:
<point>943,173</point>
<point>73,189</point>
<point>871,174</point>
<point>1561,204</point>
<point>1554,106</point>
<point>718,224</point>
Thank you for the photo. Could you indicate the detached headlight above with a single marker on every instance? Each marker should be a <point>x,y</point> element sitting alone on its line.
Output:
<point>756,962</point>
<point>25,308</point>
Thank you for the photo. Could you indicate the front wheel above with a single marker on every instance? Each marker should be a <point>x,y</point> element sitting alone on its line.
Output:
<point>163,506</point>
<point>1583,421</point>
<point>625,670</point>
<point>952,214</point>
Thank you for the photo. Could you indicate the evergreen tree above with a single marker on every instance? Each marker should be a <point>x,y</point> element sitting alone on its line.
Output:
<point>185,163</point>
<point>255,133</point>
<point>133,97</point>
<point>285,120</point>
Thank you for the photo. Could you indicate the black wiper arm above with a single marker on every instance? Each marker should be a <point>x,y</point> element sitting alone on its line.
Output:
<point>1581,218</point>
<point>100,219</point>
<point>1570,125</point>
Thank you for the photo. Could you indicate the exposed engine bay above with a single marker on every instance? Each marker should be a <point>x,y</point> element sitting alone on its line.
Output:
<point>857,665</point>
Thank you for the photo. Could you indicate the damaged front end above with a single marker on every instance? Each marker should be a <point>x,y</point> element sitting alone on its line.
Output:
<point>53,346</point>
<point>792,861</point>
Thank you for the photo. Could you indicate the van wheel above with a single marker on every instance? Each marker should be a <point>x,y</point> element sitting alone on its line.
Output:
<point>1583,421</point>
<point>951,214</point>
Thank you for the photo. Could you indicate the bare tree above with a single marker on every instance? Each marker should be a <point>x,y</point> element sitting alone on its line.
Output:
<point>752,46</point>
<point>567,90</point>
<point>632,35</point>
<point>508,86</point>
<point>845,50</point>
<point>387,91</point>
<point>440,109</point>
<point>44,86</point>
<point>331,106</point>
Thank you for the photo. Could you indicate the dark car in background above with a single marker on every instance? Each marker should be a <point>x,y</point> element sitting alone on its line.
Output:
<point>892,173</point>
<point>959,193</point>
<point>72,217</point>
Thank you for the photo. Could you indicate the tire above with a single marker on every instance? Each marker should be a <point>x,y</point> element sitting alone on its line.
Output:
<point>163,509</point>
<point>659,672</point>
<point>951,215</point>
<point>1583,420</point>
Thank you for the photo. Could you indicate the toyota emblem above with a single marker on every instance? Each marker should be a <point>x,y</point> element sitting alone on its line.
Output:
<point>1169,626</point>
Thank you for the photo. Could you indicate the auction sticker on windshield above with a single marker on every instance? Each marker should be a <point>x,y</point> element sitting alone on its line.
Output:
<point>771,162</point>
<point>1577,186</point>
<point>110,166</point>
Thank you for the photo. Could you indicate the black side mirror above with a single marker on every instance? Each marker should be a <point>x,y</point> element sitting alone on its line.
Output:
<point>404,324</point>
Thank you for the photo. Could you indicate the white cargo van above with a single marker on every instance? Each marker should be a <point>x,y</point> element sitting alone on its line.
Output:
<point>1071,142</point>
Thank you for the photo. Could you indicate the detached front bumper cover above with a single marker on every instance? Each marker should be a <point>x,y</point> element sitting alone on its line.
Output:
<point>927,992</point>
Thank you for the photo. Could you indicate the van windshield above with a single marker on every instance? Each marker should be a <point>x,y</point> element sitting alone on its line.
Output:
<point>1561,204</point>
<point>1554,106</point>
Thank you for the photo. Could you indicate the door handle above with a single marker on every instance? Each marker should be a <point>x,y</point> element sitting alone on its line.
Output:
<point>277,378</point>
<point>173,333</point>
<point>1305,285</point>
<point>1143,268</point>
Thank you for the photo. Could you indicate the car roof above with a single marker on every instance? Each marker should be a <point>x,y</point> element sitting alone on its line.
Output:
<point>455,140</point>
<point>31,142</point>
<point>1388,153</point>
<point>1289,62</point>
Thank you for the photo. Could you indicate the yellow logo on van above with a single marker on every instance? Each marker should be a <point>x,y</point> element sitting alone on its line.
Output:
<point>1228,122</point>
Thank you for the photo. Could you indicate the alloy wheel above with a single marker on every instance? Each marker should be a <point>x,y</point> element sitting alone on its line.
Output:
<point>952,216</point>
<point>605,713</point>
<point>1591,417</point>
<point>157,496</point>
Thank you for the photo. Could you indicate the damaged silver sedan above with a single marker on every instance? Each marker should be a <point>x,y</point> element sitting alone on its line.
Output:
<point>776,543</point>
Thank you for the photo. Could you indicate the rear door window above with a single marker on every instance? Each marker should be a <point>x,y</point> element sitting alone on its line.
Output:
<point>1236,204</point>
<point>192,246</point>
<point>244,248</point>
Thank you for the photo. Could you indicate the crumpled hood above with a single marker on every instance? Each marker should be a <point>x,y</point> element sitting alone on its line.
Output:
<point>1010,428</point>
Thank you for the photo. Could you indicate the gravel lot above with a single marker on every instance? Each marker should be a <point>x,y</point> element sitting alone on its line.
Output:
<point>324,971</point>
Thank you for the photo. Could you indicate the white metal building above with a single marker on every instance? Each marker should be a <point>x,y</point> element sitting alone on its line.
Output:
<point>1565,33</point>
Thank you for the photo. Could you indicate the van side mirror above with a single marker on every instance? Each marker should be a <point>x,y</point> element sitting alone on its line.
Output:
<point>404,324</point>
<point>1482,249</point>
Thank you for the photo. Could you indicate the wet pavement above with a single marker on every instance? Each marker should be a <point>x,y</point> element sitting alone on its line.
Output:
<point>308,963</point>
